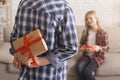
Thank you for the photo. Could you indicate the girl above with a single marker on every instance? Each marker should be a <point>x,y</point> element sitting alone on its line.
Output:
<point>95,36</point>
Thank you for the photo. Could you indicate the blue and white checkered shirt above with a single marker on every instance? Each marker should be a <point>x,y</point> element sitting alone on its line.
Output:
<point>56,21</point>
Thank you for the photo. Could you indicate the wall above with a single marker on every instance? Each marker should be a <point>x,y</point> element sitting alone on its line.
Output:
<point>14,8</point>
<point>108,10</point>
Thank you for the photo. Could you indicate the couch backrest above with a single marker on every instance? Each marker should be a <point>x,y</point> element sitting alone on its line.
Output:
<point>114,39</point>
<point>7,31</point>
<point>113,34</point>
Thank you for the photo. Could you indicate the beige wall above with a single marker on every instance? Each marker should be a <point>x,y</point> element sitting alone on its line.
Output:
<point>108,10</point>
<point>14,8</point>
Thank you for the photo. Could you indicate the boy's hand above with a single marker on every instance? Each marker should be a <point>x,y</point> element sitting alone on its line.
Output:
<point>41,61</point>
<point>16,63</point>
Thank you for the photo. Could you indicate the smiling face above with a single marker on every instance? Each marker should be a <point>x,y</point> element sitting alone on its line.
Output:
<point>90,20</point>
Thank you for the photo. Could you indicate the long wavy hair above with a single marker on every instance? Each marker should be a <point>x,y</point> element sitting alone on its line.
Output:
<point>93,13</point>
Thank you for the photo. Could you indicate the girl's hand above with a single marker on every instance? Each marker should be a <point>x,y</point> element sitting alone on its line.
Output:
<point>96,48</point>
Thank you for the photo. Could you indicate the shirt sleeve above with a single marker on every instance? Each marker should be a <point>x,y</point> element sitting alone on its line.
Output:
<point>105,44</point>
<point>68,41</point>
<point>13,37</point>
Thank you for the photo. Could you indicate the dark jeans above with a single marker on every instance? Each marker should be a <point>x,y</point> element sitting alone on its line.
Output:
<point>85,68</point>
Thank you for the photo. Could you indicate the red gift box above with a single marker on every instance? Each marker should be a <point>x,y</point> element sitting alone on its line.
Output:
<point>87,48</point>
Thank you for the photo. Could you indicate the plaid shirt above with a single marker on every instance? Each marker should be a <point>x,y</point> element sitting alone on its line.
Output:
<point>56,22</point>
<point>101,40</point>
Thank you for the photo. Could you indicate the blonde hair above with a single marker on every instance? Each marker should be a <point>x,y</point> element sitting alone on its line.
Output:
<point>92,12</point>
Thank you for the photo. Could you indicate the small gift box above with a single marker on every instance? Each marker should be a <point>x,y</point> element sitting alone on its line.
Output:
<point>30,45</point>
<point>87,48</point>
<point>89,51</point>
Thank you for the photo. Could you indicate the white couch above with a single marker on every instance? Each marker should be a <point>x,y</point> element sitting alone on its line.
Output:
<point>111,68</point>
<point>7,72</point>
<point>109,71</point>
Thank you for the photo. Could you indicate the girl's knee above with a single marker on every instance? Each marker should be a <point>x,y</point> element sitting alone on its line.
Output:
<point>87,72</point>
<point>80,68</point>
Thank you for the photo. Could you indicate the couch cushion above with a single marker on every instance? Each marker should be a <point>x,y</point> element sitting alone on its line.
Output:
<point>5,75</point>
<point>12,69</point>
<point>114,39</point>
<point>5,56</point>
<point>7,31</point>
<point>112,34</point>
<point>111,66</point>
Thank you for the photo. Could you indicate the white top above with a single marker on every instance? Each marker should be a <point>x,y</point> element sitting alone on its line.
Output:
<point>91,38</point>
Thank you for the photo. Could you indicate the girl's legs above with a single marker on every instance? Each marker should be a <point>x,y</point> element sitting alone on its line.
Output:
<point>90,68</point>
<point>81,65</point>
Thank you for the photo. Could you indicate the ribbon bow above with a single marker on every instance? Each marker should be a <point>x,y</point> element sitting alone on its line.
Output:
<point>26,48</point>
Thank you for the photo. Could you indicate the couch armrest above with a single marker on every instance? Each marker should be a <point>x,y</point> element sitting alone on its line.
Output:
<point>5,56</point>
